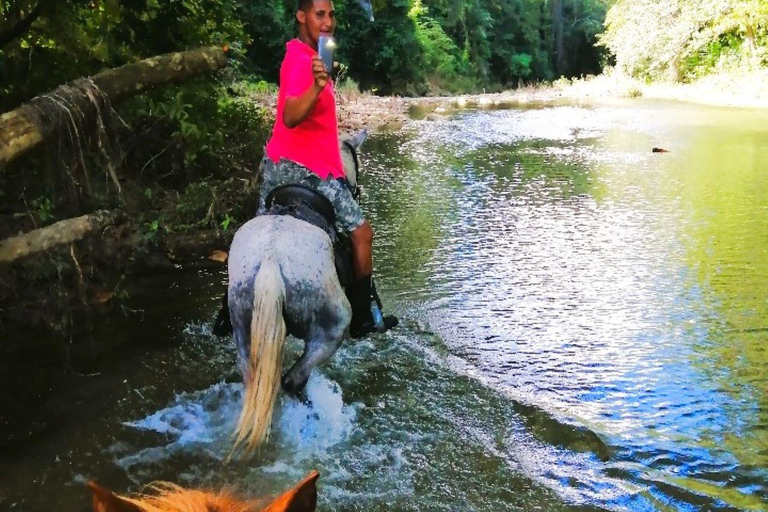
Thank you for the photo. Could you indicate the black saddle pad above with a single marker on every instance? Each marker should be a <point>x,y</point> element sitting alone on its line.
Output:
<point>310,206</point>
<point>289,195</point>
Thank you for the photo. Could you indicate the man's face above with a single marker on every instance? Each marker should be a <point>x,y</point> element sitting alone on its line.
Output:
<point>319,18</point>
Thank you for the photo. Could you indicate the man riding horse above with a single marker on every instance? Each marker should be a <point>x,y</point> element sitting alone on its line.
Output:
<point>289,268</point>
<point>304,150</point>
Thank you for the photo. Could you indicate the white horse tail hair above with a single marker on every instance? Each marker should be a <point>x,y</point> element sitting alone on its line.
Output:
<point>262,374</point>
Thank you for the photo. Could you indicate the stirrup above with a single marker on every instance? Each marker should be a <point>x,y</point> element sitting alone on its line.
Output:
<point>378,317</point>
<point>362,329</point>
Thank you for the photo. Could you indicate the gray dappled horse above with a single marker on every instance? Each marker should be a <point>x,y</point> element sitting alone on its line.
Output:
<point>283,280</point>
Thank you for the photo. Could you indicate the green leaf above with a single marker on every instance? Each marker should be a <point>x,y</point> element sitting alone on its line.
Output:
<point>226,222</point>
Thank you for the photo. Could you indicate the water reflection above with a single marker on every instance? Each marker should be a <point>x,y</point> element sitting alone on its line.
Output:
<point>616,289</point>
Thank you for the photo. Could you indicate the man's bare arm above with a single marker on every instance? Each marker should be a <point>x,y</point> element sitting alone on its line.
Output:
<point>297,108</point>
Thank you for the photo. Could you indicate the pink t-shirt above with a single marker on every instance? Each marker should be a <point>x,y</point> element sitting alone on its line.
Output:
<point>314,143</point>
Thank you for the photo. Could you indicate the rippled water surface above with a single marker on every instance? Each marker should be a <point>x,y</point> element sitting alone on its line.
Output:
<point>584,328</point>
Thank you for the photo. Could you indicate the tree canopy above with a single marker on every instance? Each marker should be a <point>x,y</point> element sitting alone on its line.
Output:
<point>685,39</point>
<point>464,45</point>
<point>411,46</point>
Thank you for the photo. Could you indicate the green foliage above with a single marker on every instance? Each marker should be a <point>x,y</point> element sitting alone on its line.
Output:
<point>710,58</point>
<point>210,204</point>
<point>74,39</point>
<point>686,39</point>
<point>269,25</point>
<point>210,131</point>
<point>195,200</point>
<point>520,65</point>
<point>482,43</point>
<point>226,222</point>
<point>204,121</point>
<point>43,208</point>
<point>150,229</point>
<point>461,44</point>
<point>344,84</point>
<point>167,138</point>
<point>441,55</point>
<point>247,87</point>
<point>385,54</point>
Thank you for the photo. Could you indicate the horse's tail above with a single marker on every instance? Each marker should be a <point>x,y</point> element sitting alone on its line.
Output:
<point>262,373</point>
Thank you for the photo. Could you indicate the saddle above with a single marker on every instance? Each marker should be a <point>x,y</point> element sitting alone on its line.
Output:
<point>310,206</point>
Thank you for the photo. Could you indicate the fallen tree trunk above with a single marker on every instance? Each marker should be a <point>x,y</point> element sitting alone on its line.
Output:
<point>24,128</point>
<point>61,233</point>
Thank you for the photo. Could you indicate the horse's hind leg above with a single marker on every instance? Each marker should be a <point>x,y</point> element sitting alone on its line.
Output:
<point>240,303</point>
<point>323,342</point>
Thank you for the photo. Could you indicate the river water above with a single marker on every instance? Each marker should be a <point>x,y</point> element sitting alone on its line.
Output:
<point>584,327</point>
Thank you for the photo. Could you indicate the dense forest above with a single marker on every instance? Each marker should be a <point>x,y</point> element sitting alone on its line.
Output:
<point>682,40</point>
<point>176,158</point>
<point>409,47</point>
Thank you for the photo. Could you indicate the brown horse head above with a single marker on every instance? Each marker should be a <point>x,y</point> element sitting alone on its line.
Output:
<point>172,498</point>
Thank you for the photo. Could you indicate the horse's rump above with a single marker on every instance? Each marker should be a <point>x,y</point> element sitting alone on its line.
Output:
<point>281,276</point>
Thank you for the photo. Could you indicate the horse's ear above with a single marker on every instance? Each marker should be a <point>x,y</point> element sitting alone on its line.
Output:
<point>302,498</point>
<point>105,501</point>
<point>358,139</point>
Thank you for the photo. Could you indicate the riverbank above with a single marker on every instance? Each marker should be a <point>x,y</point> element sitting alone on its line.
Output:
<point>739,90</point>
<point>61,273</point>
<point>185,229</point>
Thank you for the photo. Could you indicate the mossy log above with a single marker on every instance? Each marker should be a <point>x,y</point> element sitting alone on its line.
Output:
<point>26,127</point>
<point>61,233</point>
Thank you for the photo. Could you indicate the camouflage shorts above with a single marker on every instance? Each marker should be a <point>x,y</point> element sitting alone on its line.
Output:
<point>349,216</point>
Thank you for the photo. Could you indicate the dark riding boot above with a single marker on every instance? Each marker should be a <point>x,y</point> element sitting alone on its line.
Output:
<point>366,307</point>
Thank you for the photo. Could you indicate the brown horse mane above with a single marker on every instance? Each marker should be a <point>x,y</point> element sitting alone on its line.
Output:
<point>169,497</point>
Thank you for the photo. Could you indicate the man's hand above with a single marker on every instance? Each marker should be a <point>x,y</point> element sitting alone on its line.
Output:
<point>320,73</point>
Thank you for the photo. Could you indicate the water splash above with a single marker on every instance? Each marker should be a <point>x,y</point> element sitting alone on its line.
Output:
<point>319,424</point>
<point>203,421</point>
<point>198,421</point>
